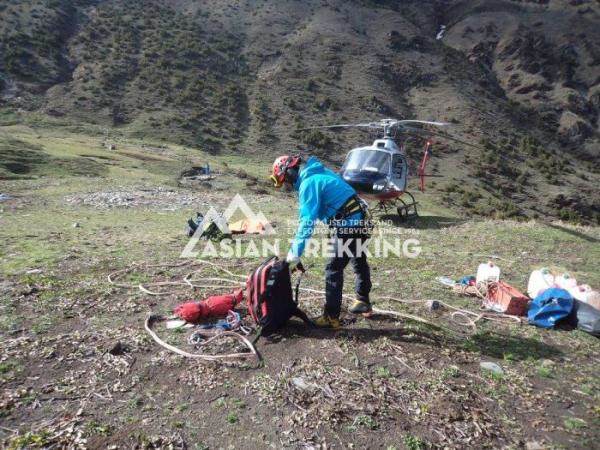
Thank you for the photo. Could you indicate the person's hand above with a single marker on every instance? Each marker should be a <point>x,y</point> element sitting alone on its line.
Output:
<point>294,262</point>
<point>292,259</point>
<point>299,267</point>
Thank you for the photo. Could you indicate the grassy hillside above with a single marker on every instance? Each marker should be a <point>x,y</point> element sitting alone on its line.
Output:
<point>512,78</point>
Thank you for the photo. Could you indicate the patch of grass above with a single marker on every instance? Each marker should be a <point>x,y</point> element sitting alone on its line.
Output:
<point>100,428</point>
<point>574,423</point>
<point>496,384</point>
<point>42,326</point>
<point>28,440</point>
<point>508,420</point>
<point>450,372</point>
<point>232,417</point>
<point>412,442</point>
<point>181,408</point>
<point>508,357</point>
<point>20,159</point>
<point>179,330</point>
<point>7,367</point>
<point>363,421</point>
<point>492,375</point>
<point>544,372</point>
<point>219,403</point>
<point>383,372</point>
<point>587,388</point>
<point>238,403</point>
<point>136,402</point>
<point>40,280</point>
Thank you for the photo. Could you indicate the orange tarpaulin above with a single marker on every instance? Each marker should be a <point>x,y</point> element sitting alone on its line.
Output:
<point>247,226</point>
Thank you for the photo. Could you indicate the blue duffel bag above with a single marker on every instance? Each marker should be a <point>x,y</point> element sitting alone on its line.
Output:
<point>550,307</point>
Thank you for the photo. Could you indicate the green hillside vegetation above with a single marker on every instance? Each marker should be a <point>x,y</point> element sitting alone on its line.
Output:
<point>242,78</point>
<point>143,65</point>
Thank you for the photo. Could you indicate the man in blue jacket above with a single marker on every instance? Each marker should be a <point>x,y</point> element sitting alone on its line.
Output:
<point>325,196</point>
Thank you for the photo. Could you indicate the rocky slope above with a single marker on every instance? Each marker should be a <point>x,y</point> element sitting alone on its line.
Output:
<point>518,79</point>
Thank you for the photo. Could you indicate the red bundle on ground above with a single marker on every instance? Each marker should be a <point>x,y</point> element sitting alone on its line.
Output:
<point>213,306</point>
<point>504,298</point>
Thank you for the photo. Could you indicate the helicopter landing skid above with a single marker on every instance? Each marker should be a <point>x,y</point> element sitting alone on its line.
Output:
<point>405,210</point>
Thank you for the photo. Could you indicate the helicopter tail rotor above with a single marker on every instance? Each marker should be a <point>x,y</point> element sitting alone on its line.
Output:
<point>423,165</point>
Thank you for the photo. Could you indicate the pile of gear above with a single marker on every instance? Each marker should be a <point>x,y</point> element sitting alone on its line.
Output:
<point>270,301</point>
<point>218,228</point>
<point>553,299</point>
<point>196,176</point>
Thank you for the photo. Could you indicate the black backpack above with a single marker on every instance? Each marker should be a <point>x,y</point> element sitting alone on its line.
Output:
<point>269,296</point>
<point>211,233</point>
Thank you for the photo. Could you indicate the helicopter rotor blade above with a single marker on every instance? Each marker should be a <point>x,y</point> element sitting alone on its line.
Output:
<point>344,125</point>
<point>420,131</point>
<point>377,125</point>
<point>427,122</point>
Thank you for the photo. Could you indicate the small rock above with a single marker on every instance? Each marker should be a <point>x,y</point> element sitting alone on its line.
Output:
<point>32,290</point>
<point>117,349</point>
<point>76,225</point>
<point>34,272</point>
<point>492,367</point>
<point>432,305</point>
<point>299,383</point>
<point>547,363</point>
<point>6,287</point>
<point>534,445</point>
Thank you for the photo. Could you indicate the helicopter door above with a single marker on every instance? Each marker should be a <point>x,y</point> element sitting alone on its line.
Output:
<point>399,172</point>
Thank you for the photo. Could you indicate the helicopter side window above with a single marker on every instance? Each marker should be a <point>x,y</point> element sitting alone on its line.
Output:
<point>399,172</point>
<point>398,166</point>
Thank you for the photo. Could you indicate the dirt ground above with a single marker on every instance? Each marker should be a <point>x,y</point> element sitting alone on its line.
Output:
<point>78,370</point>
<point>92,378</point>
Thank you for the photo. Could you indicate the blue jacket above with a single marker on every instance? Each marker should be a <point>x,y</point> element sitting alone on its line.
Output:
<point>322,193</point>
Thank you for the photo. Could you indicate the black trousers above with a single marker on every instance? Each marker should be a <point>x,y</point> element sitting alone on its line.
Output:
<point>334,273</point>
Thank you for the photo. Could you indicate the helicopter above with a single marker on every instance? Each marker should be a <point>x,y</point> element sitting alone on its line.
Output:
<point>380,171</point>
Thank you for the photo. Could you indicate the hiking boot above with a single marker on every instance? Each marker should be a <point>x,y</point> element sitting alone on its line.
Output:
<point>325,321</point>
<point>360,307</point>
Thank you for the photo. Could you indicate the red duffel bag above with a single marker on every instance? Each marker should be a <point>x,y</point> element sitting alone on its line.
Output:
<point>214,306</point>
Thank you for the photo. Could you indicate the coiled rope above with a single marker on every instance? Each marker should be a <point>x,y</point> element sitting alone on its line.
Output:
<point>211,335</point>
<point>462,317</point>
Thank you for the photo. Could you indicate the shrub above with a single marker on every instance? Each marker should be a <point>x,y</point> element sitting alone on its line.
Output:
<point>317,139</point>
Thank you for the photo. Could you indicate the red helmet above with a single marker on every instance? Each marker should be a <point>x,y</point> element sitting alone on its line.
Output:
<point>281,166</point>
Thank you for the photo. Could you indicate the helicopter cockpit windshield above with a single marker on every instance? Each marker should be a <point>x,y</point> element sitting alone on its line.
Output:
<point>368,160</point>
